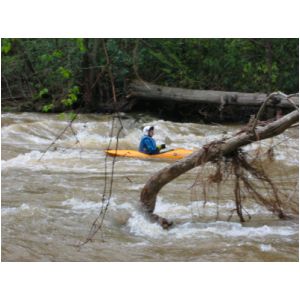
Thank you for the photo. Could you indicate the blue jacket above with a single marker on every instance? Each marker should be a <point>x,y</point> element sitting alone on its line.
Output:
<point>148,145</point>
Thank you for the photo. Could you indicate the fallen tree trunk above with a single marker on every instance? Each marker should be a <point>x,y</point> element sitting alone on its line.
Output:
<point>141,90</point>
<point>207,153</point>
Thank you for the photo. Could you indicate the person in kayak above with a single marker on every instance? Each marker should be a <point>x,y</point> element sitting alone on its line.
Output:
<point>148,144</point>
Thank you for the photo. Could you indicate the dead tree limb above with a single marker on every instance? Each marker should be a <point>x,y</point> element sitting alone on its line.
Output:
<point>141,90</point>
<point>207,153</point>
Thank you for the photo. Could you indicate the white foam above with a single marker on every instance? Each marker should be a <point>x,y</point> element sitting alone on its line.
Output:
<point>230,229</point>
<point>171,210</point>
<point>58,161</point>
<point>288,158</point>
<point>28,133</point>
<point>136,187</point>
<point>210,208</point>
<point>80,204</point>
<point>197,208</point>
<point>14,210</point>
<point>141,226</point>
<point>22,160</point>
<point>266,248</point>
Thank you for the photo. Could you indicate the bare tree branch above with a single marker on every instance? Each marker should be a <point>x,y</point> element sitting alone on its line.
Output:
<point>208,152</point>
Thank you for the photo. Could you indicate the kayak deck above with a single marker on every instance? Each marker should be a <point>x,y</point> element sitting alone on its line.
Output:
<point>174,154</point>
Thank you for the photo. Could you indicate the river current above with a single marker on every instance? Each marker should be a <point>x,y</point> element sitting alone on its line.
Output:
<point>48,205</point>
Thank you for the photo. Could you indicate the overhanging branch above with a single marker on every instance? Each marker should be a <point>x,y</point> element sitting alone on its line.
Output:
<point>207,153</point>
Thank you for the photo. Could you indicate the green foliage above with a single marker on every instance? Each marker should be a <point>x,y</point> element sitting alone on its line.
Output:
<point>64,72</point>
<point>5,45</point>
<point>42,93</point>
<point>57,53</point>
<point>80,45</point>
<point>46,58</point>
<point>70,71</point>
<point>71,97</point>
<point>50,57</point>
<point>48,107</point>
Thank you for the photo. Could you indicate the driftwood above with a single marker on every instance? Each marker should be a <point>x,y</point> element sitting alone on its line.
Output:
<point>141,90</point>
<point>209,153</point>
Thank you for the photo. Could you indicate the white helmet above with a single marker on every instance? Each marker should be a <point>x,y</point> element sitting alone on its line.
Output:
<point>147,129</point>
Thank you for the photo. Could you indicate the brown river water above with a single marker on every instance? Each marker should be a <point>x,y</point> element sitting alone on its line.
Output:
<point>48,206</point>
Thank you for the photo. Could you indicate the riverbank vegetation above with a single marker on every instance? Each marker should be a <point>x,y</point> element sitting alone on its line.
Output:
<point>57,75</point>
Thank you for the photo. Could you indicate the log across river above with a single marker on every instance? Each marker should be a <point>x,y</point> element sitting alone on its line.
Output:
<point>205,105</point>
<point>48,206</point>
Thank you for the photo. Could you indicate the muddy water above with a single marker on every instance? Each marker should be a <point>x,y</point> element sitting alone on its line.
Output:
<point>48,206</point>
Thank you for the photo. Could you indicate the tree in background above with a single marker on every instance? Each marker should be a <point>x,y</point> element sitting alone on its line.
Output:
<point>59,74</point>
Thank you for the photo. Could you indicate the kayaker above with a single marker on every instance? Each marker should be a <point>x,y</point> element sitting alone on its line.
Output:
<point>148,144</point>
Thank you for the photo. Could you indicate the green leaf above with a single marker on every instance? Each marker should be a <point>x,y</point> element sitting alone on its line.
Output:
<point>65,73</point>
<point>80,45</point>
<point>72,96</point>
<point>47,107</point>
<point>6,46</point>
<point>75,89</point>
<point>42,92</point>
<point>66,102</point>
<point>46,58</point>
<point>57,54</point>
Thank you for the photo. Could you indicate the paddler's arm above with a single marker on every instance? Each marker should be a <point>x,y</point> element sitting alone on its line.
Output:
<point>151,146</point>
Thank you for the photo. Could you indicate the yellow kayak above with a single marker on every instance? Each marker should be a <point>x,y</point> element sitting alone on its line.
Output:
<point>173,154</point>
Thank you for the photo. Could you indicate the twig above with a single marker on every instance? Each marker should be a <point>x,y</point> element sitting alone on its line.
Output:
<point>262,108</point>
<point>287,97</point>
<point>9,90</point>
<point>60,135</point>
<point>106,195</point>
<point>77,140</point>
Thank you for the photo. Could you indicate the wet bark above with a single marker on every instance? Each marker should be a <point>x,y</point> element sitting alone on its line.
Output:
<point>208,153</point>
<point>140,90</point>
